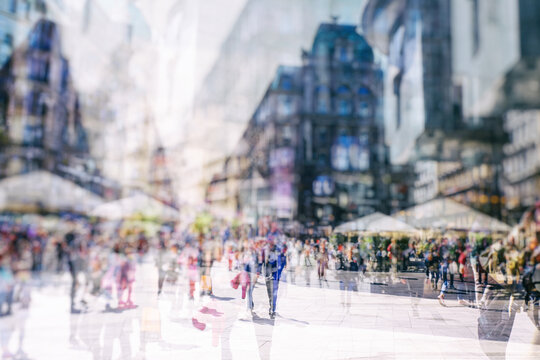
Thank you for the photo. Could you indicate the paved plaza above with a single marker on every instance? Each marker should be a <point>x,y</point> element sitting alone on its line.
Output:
<point>387,318</point>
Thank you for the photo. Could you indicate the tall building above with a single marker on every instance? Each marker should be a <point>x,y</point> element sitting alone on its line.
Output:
<point>498,45</point>
<point>269,150</point>
<point>522,161</point>
<point>265,34</point>
<point>427,107</point>
<point>344,157</point>
<point>40,119</point>
<point>313,149</point>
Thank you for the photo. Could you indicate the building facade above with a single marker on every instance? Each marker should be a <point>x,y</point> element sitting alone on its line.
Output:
<point>428,123</point>
<point>343,157</point>
<point>40,119</point>
<point>522,161</point>
<point>314,149</point>
<point>504,68</point>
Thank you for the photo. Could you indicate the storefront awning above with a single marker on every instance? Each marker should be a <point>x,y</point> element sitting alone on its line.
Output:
<point>139,205</point>
<point>45,191</point>
<point>448,214</point>
<point>376,222</point>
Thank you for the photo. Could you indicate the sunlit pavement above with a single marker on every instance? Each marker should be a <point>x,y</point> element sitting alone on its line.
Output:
<point>312,323</point>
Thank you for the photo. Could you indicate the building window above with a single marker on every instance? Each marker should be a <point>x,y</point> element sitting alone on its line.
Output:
<point>4,105</point>
<point>363,140</point>
<point>35,106</point>
<point>287,133</point>
<point>41,6</point>
<point>41,37</point>
<point>286,83</point>
<point>33,135</point>
<point>65,75</point>
<point>322,160</point>
<point>13,6</point>
<point>343,52</point>
<point>344,105</point>
<point>285,105</point>
<point>321,49</point>
<point>364,91</point>
<point>322,135</point>
<point>8,40</point>
<point>363,104</point>
<point>322,100</point>
<point>38,68</point>
<point>476,26</point>
<point>364,109</point>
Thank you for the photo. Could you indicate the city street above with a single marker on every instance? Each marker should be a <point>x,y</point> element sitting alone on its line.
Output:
<point>312,323</point>
<point>269,179</point>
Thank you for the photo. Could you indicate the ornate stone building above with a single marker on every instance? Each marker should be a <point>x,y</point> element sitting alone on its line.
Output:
<point>313,150</point>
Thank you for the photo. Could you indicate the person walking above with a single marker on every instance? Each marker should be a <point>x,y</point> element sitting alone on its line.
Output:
<point>251,268</point>
<point>274,263</point>
<point>322,263</point>
<point>306,256</point>
<point>72,250</point>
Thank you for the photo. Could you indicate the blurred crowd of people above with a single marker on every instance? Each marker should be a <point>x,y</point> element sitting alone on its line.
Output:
<point>101,265</point>
<point>97,264</point>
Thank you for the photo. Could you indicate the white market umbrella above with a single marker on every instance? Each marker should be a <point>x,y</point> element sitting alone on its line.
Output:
<point>376,222</point>
<point>132,206</point>
<point>448,214</point>
<point>44,190</point>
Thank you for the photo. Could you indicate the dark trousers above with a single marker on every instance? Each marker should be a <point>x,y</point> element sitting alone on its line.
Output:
<point>481,271</point>
<point>435,277</point>
<point>272,285</point>
<point>74,284</point>
<point>161,279</point>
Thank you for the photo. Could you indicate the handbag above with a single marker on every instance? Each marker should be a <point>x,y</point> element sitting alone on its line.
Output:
<point>235,282</point>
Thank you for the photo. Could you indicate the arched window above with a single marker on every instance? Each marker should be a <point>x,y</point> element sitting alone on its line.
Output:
<point>344,100</point>
<point>322,100</point>
<point>364,91</point>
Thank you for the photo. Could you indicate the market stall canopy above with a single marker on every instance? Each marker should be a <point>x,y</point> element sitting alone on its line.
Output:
<point>139,205</point>
<point>375,222</point>
<point>448,214</point>
<point>42,190</point>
